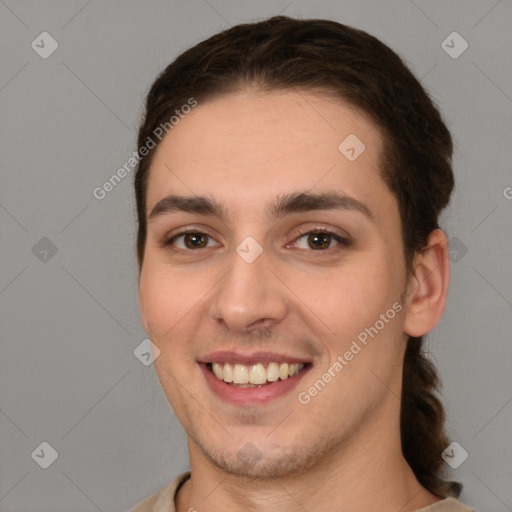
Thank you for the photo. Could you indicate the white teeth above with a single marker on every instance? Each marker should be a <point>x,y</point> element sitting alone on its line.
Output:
<point>273,372</point>
<point>256,374</point>
<point>227,373</point>
<point>217,369</point>
<point>240,374</point>
<point>283,371</point>
<point>293,369</point>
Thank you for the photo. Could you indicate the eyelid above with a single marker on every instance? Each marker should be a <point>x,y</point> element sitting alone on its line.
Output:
<point>322,229</point>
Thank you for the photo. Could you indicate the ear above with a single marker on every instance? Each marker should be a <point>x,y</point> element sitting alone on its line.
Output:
<point>428,286</point>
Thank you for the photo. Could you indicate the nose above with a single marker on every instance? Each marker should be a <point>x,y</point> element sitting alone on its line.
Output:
<point>249,296</point>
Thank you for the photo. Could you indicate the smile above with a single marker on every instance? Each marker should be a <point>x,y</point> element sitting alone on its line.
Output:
<point>254,375</point>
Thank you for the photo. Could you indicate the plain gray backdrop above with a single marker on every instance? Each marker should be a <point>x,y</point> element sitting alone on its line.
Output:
<point>70,326</point>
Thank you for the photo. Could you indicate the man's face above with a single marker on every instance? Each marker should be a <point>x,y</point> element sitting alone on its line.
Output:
<point>264,286</point>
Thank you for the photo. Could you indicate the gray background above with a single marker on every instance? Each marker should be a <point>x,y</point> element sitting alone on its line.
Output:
<point>70,324</point>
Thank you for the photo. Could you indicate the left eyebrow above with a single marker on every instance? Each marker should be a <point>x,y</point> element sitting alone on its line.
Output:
<point>284,204</point>
<point>307,201</point>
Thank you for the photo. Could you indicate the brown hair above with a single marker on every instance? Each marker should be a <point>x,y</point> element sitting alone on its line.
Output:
<point>282,53</point>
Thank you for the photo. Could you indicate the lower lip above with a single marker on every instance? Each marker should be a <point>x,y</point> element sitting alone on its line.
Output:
<point>251,396</point>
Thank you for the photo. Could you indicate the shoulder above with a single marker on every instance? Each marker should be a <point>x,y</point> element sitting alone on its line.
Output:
<point>163,501</point>
<point>447,505</point>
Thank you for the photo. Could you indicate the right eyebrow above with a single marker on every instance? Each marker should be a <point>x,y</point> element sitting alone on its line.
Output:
<point>201,205</point>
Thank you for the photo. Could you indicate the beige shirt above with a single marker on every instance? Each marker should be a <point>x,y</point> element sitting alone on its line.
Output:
<point>164,500</point>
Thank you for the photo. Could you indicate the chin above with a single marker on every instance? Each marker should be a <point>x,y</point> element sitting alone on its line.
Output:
<point>267,463</point>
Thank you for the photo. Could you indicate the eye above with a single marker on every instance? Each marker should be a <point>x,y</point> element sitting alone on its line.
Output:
<point>189,240</point>
<point>317,240</point>
<point>320,240</point>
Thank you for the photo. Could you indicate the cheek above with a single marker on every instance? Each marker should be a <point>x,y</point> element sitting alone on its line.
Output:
<point>349,298</point>
<point>166,298</point>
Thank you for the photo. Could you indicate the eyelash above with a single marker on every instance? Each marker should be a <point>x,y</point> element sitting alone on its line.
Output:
<point>342,241</point>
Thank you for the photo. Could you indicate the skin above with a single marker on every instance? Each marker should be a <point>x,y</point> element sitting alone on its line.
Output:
<point>341,451</point>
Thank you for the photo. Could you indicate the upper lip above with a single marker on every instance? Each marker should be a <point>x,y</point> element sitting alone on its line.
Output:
<point>232,357</point>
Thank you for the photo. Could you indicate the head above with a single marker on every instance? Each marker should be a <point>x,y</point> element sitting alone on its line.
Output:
<point>259,113</point>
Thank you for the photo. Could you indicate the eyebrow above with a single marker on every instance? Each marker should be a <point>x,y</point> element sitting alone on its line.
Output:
<point>283,204</point>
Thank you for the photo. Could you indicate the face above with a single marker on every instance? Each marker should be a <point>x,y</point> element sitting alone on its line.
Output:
<point>272,281</point>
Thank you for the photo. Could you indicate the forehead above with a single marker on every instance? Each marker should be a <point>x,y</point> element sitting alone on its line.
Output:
<point>245,146</point>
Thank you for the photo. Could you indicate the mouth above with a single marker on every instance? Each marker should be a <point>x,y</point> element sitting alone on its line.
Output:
<point>255,375</point>
<point>252,379</point>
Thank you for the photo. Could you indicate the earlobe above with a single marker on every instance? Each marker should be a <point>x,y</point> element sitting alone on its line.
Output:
<point>428,286</point>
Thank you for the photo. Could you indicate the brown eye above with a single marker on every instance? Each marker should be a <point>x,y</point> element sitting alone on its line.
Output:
<point>195,240</point>
<point>189,240</point>
<point>321,240</point>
